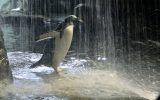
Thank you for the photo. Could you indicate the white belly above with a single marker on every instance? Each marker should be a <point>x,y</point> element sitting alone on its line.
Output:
<point>62,46</point>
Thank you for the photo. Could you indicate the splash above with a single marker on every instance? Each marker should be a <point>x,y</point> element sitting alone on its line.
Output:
<point>76,80</point>
<point>89,83</point>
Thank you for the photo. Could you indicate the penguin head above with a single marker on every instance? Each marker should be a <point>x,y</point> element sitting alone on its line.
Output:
<point>72,19</point>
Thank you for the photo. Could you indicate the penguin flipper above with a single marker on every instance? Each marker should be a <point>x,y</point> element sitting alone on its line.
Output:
<point>44,39</point>
<point>41,44</point>
<point>52,34</point>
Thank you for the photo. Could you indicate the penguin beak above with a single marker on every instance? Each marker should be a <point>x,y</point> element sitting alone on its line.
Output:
<point>80,20</point>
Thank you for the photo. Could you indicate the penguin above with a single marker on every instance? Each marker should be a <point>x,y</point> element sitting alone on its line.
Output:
<point>57,43</point>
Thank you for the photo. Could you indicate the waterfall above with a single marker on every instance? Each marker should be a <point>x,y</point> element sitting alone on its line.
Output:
<point>119,39</point>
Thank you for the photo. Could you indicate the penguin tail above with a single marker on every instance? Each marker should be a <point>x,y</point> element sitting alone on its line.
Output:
<point>35,65</point>
<point>45,60</point>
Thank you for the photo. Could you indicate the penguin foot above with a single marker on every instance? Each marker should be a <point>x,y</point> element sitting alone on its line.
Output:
<point>58,70</point>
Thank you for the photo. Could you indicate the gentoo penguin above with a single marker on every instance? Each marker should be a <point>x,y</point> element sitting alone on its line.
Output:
<point>57,43</point>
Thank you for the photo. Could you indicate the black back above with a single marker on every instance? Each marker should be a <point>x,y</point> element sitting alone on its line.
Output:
<point>68,21</point>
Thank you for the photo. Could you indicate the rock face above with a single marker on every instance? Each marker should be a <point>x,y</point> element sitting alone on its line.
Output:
<point>5,71</point>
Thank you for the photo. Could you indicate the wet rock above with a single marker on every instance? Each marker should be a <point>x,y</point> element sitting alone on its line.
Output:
<point>5,71</point>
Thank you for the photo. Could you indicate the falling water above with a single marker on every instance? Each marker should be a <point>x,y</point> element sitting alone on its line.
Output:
<point>115,53</point>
